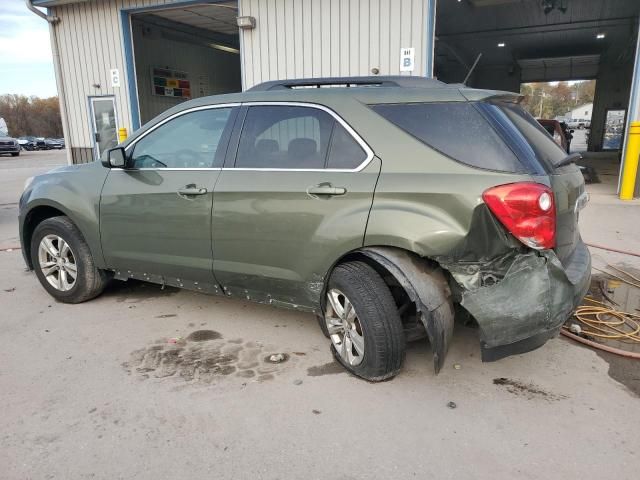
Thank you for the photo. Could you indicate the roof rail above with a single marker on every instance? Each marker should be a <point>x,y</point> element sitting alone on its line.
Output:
<point>328,82</point>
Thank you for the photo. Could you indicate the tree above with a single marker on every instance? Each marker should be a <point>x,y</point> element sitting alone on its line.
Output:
<point>31,116</point>
<point>550,100</point>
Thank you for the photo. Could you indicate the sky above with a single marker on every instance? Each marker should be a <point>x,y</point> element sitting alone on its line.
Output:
<point>26,66</point>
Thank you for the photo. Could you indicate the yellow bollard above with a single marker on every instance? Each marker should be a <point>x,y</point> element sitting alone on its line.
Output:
<point>122,134</point>
<point>630,171</point>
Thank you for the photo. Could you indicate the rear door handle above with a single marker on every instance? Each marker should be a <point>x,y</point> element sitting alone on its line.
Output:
<point>191,190</point>
<point>329,190</point>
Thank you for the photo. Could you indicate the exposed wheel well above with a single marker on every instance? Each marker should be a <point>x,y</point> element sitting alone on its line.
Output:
<point>33,218</point>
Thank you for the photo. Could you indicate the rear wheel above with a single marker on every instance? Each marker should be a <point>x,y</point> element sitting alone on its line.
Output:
<point>362,321</point>
<point>63,262</point>
<point>15,154</point>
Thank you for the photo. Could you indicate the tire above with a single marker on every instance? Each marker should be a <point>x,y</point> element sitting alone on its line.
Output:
<point>89,282</point>
<point>376,327</point>
<point>15,154</point>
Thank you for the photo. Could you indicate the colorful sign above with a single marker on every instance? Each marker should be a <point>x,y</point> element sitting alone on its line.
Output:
<point>170,83</point>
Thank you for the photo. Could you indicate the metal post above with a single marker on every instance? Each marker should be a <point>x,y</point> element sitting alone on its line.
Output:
<point>122,134</point>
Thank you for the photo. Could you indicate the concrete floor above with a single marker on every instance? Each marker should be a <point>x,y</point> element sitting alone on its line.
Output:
<point>92,391</point>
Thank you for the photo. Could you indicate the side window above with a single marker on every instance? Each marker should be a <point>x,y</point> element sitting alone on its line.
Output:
<point>345,152</point>
<point>281,136</point>
<point>188,141</point>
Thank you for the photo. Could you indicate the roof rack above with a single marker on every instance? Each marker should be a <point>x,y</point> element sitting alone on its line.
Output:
<point>346,82</point>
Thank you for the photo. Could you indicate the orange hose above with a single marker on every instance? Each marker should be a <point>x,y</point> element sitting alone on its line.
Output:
<point>617,351</point>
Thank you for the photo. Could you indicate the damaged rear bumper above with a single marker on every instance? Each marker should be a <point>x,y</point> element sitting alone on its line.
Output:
<point>526,307</point>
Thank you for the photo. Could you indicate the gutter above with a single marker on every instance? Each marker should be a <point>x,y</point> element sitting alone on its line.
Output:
<point>53,21</point>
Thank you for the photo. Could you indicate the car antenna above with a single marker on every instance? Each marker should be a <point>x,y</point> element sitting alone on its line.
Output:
<point>473,67</point>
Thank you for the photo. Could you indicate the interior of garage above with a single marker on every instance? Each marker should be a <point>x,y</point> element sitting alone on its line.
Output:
<point>521,41</point>
<point>184,52</point>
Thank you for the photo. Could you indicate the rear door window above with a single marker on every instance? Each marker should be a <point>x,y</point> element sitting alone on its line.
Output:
<point>345,151</point>
<point>458,130</point>
<point>284,137</point>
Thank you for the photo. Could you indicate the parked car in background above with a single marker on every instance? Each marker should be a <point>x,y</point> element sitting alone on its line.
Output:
<point>53,144</point>
<point>9,145</point>
<point>41,144</point>
<point>364,205</point>
<point>28,143</point>
<point>579,123</point>
<point>560,135</point>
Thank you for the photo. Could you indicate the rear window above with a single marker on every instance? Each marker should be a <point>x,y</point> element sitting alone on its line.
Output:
<point>545,149</point>
<point>458,130</point>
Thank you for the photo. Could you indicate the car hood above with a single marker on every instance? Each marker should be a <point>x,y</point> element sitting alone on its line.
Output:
<point>4,139</point>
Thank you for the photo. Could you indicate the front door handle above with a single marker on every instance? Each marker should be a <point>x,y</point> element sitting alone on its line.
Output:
<point>191,190</point>
<point>329,190</point>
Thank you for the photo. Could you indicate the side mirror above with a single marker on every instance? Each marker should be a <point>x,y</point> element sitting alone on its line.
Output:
<point>116,158</point>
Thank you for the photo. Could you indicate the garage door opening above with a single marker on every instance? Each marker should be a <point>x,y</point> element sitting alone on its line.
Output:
<point>183,53</point>
<point>522,41</point>
<point>564,109</point>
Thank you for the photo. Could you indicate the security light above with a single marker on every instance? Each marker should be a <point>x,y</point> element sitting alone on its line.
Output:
<point>501,44</point>
<point>246,23</point>
<point>600,36</point>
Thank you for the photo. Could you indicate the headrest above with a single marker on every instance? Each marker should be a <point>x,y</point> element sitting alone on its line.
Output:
<point>302,148</point>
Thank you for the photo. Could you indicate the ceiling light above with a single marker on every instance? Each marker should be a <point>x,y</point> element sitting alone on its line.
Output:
<point>600,36</point>
<point>501,44</point>
<point>224,48</point>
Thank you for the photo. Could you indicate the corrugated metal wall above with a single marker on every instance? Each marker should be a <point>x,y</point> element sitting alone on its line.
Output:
<point>315,38</point>
<point>293,38</point>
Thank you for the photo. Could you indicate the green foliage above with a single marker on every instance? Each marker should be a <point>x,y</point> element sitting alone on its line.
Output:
<point>35,116</point>
<point>556,98</point>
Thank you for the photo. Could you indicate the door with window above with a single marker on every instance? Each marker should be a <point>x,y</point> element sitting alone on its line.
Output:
<point>104,124</point>
<point>294,197</point>
<point>155,215</point>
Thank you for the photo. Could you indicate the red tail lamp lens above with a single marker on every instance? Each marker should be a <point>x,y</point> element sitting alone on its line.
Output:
<point>527,210</point>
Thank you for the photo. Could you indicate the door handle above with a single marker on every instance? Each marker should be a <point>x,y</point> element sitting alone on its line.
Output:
<point>329,190</point>
<point>190,190</point>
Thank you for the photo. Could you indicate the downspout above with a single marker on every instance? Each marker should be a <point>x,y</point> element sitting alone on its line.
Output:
<point>53,21</point>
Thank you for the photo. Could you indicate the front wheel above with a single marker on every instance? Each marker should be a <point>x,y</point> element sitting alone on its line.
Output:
<point>15,154</point>
<point>63,262</point>
<point>362,321</point>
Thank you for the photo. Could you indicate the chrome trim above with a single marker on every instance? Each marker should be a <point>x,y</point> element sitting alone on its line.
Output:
<point>338,118</point>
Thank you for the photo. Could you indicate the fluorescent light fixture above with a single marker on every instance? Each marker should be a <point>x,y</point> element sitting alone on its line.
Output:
<point>224,48</point>
<point>600,36</point>
<point>501,44</point>
<point>246,23</point>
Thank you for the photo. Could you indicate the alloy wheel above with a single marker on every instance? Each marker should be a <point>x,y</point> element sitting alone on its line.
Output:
<point>57,262</point>
<point>344,327</point>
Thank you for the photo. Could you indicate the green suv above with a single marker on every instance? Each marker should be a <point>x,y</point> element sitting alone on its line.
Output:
<point>386,206</point>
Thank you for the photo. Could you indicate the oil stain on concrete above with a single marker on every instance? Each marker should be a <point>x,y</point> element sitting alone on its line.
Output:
<point>203,356</point>
<point>526,390</point>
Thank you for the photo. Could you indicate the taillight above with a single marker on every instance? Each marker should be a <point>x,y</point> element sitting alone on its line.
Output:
<point>527,210</point>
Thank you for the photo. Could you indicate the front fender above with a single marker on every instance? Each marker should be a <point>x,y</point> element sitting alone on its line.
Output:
<point>75,192</point>
<point>426,285</point>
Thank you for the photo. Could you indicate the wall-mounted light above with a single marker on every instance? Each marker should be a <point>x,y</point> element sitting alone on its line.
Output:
<point>246,23</point>
<point>600,36</point>
<point>501,45</point>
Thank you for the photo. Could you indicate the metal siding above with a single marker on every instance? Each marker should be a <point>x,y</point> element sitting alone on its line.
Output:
<point>305,38</point>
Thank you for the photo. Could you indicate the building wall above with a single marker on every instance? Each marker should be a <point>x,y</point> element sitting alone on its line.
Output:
<point>153,49</point>
<point>320,38</point>
<point>292,39</point>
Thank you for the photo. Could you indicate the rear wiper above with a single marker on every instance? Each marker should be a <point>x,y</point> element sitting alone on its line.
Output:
<point>571,158</point>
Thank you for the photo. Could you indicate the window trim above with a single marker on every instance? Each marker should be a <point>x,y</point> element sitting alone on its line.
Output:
<point>169,118</point>
<point>369,152</point>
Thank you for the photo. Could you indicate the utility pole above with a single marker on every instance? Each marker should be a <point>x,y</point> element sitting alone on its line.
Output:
<point>541,103</point>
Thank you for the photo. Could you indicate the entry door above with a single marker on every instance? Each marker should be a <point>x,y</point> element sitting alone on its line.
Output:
<point>155,215</point>
<point>298,197</point>
<point>103,121</point>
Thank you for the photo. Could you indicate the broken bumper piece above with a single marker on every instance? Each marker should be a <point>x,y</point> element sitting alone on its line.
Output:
<point>526,307</point>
